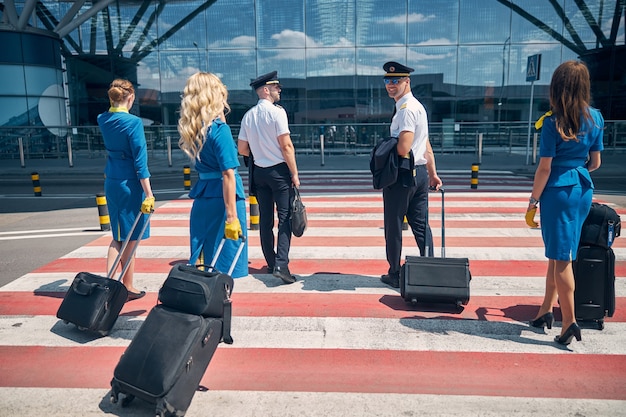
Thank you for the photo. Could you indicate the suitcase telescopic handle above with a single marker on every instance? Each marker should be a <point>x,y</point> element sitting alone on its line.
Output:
<point>118,259</point>
<point>443,221</point>
<point>219,251</point>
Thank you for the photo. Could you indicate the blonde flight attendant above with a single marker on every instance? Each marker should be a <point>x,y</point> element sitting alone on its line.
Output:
<point>219,206</point>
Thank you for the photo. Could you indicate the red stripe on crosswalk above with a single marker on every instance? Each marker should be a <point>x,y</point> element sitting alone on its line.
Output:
<point>367,223</point>
<point>353,241</point>
<point>500,268</point>
<point>485,308</point>
<point>361,210</point>
<point>343,370</point>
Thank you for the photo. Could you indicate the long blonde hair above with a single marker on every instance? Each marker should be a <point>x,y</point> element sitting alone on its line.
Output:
<point>204,100</point>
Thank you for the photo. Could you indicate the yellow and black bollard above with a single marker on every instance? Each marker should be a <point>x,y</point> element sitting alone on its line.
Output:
<point>187,177</point>
<point>103,212</point>
<point>405,224</point>
<point>474,181</point>
<point>254,213</point>
<point>36,184</point>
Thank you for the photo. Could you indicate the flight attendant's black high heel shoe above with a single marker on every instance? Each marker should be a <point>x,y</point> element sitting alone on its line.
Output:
<point>545,320</point>
<point>572,331</point>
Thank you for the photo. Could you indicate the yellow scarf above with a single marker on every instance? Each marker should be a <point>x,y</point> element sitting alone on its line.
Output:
<point>539,123</point>
<point>118,109</point>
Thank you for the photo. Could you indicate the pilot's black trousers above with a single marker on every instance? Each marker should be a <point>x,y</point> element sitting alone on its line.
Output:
<point>411,201</point>
<point>273,187</point>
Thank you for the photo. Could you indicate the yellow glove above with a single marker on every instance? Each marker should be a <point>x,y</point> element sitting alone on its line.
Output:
<point>148,205</point>
<point>530,218</point>
<point>233,230</point>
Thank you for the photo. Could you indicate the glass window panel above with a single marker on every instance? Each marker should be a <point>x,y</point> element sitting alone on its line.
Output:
<point>41,50</point>
<point>192,34</point>
<point>551,56</point>
<point>226,29</point>
<point>525,30</point>
<point>14,111</point>
<point>330,23</point>
<point>381,22</point>
<point>280,24</point>
<point>483,21</point>
<point>39,79</point>
<point>175,68</point>
<point>17,86</point>
<point>370,61</point>
<point>436,60</point>
<point>235,77</point>
<point>149,72</point>
<point>598,13</point>
<point>330,61</point>
<point>290,63</point>
<point>433,22</point>
<point>480,66</point>
<point>11,51</point>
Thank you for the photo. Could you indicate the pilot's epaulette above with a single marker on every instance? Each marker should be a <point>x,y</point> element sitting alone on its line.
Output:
<point>278,105</point>
<point>403,106</point>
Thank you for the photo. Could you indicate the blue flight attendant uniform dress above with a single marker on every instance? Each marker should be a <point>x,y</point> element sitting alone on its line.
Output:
<point>208,214</point>
<point>127,163</point>
<point>566,199</point>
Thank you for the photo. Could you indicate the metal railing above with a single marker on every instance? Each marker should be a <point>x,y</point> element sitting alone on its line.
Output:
<point>62,142</point>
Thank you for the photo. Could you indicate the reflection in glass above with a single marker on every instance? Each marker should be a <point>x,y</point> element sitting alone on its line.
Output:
<point>290,63</point>
<point>381,22</point>
<point>280,24</point>
<point>433,22</point>
<point>330,24</point>
<point>483,21</point>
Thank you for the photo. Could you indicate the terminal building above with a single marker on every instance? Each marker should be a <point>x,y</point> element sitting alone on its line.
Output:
<point>482,63</point>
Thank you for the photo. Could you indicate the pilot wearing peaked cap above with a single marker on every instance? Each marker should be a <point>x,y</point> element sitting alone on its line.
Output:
<point>408,196</point>
<point>395,70</point>
<point>265,79</point>
<point>264,134</point>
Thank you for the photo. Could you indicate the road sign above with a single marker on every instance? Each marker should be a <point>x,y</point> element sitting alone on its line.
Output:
<point>532,67</point>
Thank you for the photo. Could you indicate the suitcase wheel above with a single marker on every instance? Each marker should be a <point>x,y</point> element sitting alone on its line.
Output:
<point>600,324</point>
<point>413,301</point>
<point>103,332</point>
<point>81,328</point>
<point>113,398</point>
<point>66,322</point>
<point>127,400</point>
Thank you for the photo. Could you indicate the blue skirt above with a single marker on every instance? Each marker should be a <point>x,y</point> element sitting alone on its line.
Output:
<point>206,230</point>
<point>124,198</point>
<point>563,212</point>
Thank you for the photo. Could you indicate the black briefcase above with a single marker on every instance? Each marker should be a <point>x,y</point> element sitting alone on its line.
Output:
<point>436,280</point>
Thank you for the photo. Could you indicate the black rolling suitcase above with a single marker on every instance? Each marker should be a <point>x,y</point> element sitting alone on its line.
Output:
<point>166,360</point>
<point>594,294</point>
<point>94,302</point>
<point>168,356</point>
<point>594,267</point>
<point>436,280</point>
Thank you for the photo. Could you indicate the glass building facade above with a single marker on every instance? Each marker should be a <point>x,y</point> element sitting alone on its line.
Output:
<point>470,56</point>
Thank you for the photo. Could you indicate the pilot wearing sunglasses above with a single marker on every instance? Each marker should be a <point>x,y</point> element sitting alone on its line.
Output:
<point>407,197</point>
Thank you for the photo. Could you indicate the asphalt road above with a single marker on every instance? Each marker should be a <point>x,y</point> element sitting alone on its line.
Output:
<point>37,230</point>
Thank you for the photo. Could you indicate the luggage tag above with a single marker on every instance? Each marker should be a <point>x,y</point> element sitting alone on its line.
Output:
<point>610,235</point>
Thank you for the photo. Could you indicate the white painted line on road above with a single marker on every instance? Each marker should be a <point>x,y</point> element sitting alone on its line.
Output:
<point>51,235</point>
<point>69,229</point>
<point>404,334</point>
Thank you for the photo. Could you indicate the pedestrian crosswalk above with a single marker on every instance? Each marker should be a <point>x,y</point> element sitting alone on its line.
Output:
<point>338,342</point>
